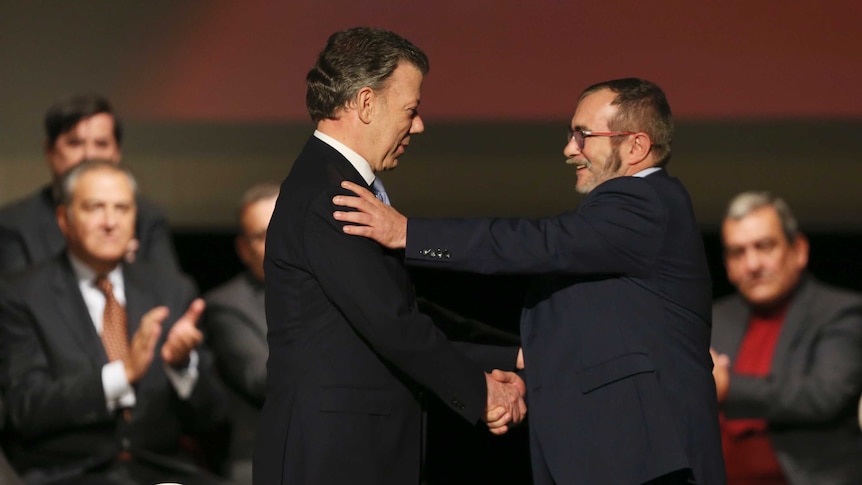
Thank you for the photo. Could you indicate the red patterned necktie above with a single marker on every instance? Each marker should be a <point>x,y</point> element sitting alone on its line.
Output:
<point>115,334</point>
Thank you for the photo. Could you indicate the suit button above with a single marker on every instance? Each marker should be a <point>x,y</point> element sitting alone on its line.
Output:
<point>458,404</point>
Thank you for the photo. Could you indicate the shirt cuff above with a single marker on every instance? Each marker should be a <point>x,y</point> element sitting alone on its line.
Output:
<point>118,392</point>
<point>184,380</point>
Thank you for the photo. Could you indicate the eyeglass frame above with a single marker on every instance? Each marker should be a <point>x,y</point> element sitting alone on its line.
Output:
<point>589,133</point>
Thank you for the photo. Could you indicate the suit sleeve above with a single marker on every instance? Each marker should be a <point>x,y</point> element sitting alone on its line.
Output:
<point>38,402</point>
<point>240,357</point>
<point>371,288</point>
<point>489,347</point>
<point>831,382</point>
<point>617,230</point>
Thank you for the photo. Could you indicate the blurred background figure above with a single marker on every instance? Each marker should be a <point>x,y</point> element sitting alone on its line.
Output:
<point>788,356</point>
<point>101,362</point>
<point>235,324</point>
<point>76,128</point>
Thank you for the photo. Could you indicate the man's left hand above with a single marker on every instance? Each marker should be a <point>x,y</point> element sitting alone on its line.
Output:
<point>721,373</point>
<point>184,336</point>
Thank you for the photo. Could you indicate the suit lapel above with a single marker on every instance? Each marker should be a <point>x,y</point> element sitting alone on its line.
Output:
<point>794,324</point>
<point>736,325</point>
<point>73,313</point>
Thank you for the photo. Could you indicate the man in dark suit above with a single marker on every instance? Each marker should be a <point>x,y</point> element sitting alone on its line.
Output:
<point>350,356</point>
<point>77,128</point>
<point>100,361</point>
<point>616,324</point>
<point>235,325</point>
<point>788,355</point>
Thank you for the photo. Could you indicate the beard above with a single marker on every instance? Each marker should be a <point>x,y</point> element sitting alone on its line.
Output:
<point>610,169</point>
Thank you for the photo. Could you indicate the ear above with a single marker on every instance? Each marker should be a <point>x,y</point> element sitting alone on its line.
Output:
<point>800,248</point>
<point>638,148</point>
<point>365,100</point>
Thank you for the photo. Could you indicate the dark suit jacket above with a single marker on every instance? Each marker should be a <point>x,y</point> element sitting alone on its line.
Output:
<point>235,325</point>
<point>51,360</point>
<point>615,329</point>
<point>350,354</point>
<point>811,396</point>
<point>29,233</point>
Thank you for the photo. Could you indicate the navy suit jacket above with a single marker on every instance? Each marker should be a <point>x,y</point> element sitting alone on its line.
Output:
<point>51,360</point>
<point>810,399</point>
<point>615,329</point>
<point>350,356</point>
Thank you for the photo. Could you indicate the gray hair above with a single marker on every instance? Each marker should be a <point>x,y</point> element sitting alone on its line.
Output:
<point>747,202</point>
<point>353,59</point>
<point>256,193</point>
<point>66,187</point>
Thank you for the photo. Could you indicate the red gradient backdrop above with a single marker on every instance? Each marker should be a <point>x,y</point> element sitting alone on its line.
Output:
<point>498,59</point>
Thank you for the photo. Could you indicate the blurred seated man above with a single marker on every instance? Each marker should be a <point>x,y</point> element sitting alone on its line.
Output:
<point>77,128</point>
<point>100,360</point>
<point>788,356</point>
<point>235,323</point>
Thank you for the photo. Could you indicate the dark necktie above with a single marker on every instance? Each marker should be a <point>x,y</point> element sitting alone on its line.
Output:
<point>379,191</point>
<point>115,334</point>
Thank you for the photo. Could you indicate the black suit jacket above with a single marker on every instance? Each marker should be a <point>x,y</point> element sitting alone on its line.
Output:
<point>51,359</point>
<point>615,329</point>
<point>811,396</point>
<point>350,355</point>
<point>29,233</point>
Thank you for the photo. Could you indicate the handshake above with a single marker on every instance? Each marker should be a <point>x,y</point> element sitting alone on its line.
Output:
<point>506,392</point>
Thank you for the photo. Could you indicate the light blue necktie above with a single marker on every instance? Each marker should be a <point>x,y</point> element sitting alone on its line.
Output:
<point>379,191</point>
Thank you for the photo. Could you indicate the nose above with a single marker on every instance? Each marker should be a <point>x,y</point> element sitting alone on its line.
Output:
<point>571,149</point>
<point>752,261</point>
<point>418,125</point>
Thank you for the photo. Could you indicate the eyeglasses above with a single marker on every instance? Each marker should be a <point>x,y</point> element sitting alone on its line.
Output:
<point>580,136</point>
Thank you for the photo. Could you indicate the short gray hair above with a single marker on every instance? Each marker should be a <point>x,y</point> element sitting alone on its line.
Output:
<point>353,59</point>
<point>747,202</point>
<point>256,193</point>
<point>66,187</point>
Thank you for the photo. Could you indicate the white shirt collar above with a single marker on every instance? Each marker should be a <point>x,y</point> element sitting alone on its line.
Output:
<point>360,164</point>
<point>86,278</point>
<point>646,171</point>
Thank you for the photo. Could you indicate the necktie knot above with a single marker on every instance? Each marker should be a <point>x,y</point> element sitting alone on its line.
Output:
<point>104,284</point>
<point>379,191</point>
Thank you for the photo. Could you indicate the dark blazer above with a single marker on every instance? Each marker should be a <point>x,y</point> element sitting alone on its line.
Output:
<point>235,326</point>
<point>350,355</point>
<point>615,329</point>
<point>51,359</point>
<point>811,396</point>
<point>29,233</point>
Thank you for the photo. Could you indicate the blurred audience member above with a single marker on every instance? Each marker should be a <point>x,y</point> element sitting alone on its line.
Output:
<point>788,356</point>
<point>235,324</point>
<point>100,361</point>
<point>76,128</point>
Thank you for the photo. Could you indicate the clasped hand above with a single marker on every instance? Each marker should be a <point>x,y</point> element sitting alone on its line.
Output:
<point>506,405</point>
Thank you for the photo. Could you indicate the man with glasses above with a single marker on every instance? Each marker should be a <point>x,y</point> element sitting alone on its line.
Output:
<point>616,324</point>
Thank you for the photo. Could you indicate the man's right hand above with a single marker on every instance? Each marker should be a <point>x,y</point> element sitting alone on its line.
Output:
<point>143,344</point>
<point>505,400</point>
